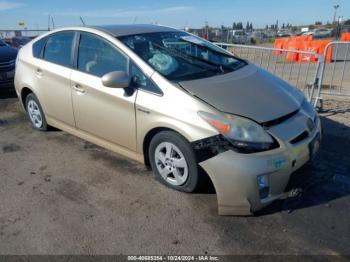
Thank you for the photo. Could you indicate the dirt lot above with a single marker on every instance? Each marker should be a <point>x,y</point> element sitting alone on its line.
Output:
<point>61,195</point>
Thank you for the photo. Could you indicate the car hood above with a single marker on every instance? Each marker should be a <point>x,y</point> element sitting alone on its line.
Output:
<point>250,92</point>
<point>7,53</point>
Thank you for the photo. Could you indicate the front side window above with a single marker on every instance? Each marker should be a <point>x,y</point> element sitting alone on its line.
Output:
<point>180,56</point>
<point>140,81</point>
<point>98,57</point>
<point>58,48</point>
<point>2,43</point>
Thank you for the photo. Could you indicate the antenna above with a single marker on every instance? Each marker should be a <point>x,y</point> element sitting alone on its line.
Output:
<point>82,20</point>
<point>53,22</point>
<point>135,19</point>
<point>48,23</point>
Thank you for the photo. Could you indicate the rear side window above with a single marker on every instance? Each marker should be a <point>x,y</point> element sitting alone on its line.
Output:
<point>58,48</point>
<point>38,47</point>
<point>98,57</point>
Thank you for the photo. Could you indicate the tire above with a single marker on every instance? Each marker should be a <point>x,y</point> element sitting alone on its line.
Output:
<point>35,113</point>
<point>173,161</point>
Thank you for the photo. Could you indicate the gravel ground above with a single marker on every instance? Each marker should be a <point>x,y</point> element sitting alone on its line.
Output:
<point>62,195</point>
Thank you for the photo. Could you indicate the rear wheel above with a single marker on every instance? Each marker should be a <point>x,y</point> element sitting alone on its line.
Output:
<point>35,113</point>
<point>173,161</point>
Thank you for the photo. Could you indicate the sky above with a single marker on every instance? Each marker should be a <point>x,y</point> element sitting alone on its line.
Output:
<point>175,13</point>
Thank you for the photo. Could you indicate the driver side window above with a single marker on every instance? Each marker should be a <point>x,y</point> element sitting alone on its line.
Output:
<point>98,57</point>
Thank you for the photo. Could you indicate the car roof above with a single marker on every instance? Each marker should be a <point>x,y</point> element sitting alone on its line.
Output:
<point>124,30</point>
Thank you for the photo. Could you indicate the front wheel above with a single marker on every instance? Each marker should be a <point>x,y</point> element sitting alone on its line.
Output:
<point>35,113</point>
<point>173,161</point>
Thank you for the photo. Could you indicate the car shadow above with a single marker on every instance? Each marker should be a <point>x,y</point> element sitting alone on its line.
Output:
<point>322,180</point>
<point>335,107</point>
<point>5,94</point>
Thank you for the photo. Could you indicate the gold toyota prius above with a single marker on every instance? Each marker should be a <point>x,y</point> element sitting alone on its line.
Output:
<point>176,103</point>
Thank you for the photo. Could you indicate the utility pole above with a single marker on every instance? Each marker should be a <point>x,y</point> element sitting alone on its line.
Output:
<point>335,13</point>
<point>207,29</point>
<point>338,30</point>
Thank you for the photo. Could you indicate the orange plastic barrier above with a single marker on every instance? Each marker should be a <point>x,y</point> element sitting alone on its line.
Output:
<point>293,45</point>
<point>305,43</point>
<point>301,38</point>
<point>281,44</point>
<point>345,37</point>
<point>308,46</point>
<point>322,45</point>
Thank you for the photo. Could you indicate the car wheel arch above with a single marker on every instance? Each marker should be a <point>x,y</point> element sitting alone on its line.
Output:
<point>207,183</point>
<point>152,131</point>
<point>24,93</point>
<point>150,134</point>
<point>147,140</point>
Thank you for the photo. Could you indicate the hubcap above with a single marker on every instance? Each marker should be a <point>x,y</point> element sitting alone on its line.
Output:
<point>35,114</point>
<point>171,163</point>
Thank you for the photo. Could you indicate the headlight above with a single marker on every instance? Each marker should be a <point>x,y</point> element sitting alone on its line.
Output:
<point>242,133</point>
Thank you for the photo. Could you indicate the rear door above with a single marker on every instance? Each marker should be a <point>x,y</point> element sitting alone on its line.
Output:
<point>53,74</point>
<point>107,113</point>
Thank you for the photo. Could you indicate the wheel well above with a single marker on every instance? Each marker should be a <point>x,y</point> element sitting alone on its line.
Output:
<point>206,185</point>
<point>24,93</point>
<point>148,139</point>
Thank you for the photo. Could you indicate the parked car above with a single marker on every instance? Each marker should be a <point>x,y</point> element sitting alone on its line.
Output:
<point>19,41</point>
<point>175,102</point>
<point>319,33</point>
<point>7,66</point>
<point>257,36</point>
<point>284,33</point>
<point>239,37</point>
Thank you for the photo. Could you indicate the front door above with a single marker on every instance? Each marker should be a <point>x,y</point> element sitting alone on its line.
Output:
<point>107,113</point>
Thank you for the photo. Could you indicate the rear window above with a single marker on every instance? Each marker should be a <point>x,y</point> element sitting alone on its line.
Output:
<point>58,48</point>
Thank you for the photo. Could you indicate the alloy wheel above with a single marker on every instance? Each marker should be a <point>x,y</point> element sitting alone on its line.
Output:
<point>171,163</point>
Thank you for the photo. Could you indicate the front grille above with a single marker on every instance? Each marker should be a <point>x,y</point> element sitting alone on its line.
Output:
<point>7,66</point>
<point>300,137</point>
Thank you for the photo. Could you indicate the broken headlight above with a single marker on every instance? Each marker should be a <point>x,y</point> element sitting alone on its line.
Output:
<point>244,135</point>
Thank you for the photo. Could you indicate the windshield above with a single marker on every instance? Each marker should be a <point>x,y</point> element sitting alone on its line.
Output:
<point>179,56</point>
<point>2,43</point>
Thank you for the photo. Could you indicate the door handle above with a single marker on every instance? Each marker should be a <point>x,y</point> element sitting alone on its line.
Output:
<point>39,72</point>
<point>78,88</point>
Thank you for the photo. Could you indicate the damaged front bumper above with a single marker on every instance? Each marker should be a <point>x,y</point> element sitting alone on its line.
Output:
<point>235,175</point>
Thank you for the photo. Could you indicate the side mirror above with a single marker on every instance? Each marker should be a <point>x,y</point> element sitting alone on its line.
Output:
<point>116,79</point>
